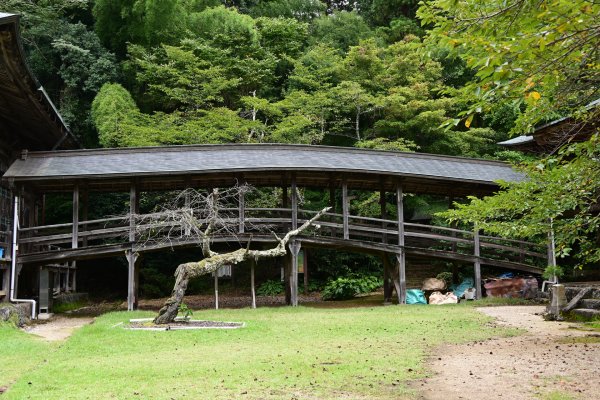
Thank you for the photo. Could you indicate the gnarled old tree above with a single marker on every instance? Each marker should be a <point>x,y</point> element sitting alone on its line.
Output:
<point>194,215</point>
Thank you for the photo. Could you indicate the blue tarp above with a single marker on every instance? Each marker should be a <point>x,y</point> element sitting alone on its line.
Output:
<point>459,290</point>
<point>415,296</point>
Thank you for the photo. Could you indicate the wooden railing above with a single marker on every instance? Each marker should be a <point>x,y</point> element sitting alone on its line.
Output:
<point>263,222</point>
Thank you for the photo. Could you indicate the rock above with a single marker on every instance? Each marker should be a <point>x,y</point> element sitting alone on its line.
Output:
<point>587,313</point>
<point>433,284</point>
<point>14,315</point>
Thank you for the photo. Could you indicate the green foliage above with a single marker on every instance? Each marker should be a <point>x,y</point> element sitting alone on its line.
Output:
<point>446,277</point>
<point>562,188</point>
<point>339,30</point>
<point>147,22</point>
<point>270,288</point>
<point>185,311</point>
<point>534,54</point>
<point>121,124</point>
<point>344,288</point>
<point>66,56</point>
<point>552,271</point>
<point>302,10</point>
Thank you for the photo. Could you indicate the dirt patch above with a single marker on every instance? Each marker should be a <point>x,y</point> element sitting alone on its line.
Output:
<point>147,324</point>
<point>57,328</point>
<point>199,302</point>
<point>546,359</point>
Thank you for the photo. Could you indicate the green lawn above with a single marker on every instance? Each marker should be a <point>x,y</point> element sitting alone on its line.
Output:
<point>282,353</point>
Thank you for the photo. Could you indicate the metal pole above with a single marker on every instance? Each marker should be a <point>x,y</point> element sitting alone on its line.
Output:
<point>13,264</point>
<point>477,264</point>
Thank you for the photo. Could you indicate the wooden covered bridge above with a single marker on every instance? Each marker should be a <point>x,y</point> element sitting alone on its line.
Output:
<point>39,148</point>
<point>331,169</point>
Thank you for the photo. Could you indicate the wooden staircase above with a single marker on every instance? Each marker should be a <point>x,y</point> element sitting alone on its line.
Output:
<point>589,306</point>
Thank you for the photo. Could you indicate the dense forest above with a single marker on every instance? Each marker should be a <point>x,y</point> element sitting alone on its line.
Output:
<point>438,76</point>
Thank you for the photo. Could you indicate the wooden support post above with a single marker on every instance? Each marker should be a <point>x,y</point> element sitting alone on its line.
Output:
<point>305,270</point>
<point>388,284</point>
<point>383,213</point>
<point>294,249</point>
<point>477,266</point>
<point>284,197</point>
<point>43,211</point>
<point>401,286</point>
<point>345,209</point>
<point>294,196</point>
<point>332,196</point>
<point>332,203</point>
<point>216,289</point>
<point>241,212</point>
<point>287,272</point>
<point>400,211</point>
<point>75,237</point>
<point>188,205</point>
<point>85,200</point>
<point>252,284</point>
<point>134,205</point>
<point>401,256</point>
<point>132,282</point>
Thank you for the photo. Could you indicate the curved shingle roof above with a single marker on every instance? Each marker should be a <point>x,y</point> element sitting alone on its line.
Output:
<point>211,159</point>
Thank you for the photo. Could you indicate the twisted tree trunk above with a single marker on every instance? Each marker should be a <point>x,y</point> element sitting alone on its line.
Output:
<point>214,261</point>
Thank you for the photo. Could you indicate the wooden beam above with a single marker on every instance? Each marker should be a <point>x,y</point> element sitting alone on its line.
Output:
<point>241,211</point>
<point>305,269</point>
<point>400,211</point>
<point>383,212</point>
<point>284,197</point>
<point>332,196</point>
<point>477,264</point>
<point>75,235</point>
<point>134,205</point>
<point>85,200</point>
<point>75,227</point>
<point>345,209</point>
<point>188,204</point>
<point>294,196</point>
<point>401,256</point>
<point>401,259</point>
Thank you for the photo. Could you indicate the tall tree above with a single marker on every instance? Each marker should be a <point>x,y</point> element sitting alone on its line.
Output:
<point>542,56</point>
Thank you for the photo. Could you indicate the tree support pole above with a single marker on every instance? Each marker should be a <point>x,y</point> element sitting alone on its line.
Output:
<point>216,273</point>
<point>132,280</point>
<point>252,283</point>
<point>401,285</point>
<point>295,249</point>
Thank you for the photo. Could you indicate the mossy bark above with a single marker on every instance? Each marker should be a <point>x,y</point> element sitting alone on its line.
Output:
<point>213,262</point>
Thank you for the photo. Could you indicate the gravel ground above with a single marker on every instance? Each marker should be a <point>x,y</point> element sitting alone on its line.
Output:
<point>58,327</point>
<point>550,357</point>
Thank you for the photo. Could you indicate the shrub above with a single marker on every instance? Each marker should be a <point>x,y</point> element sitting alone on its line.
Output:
<point>347,287</point>
<point>270,288</point>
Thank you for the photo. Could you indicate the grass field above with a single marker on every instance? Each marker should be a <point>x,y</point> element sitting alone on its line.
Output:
<point>282,353</point>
